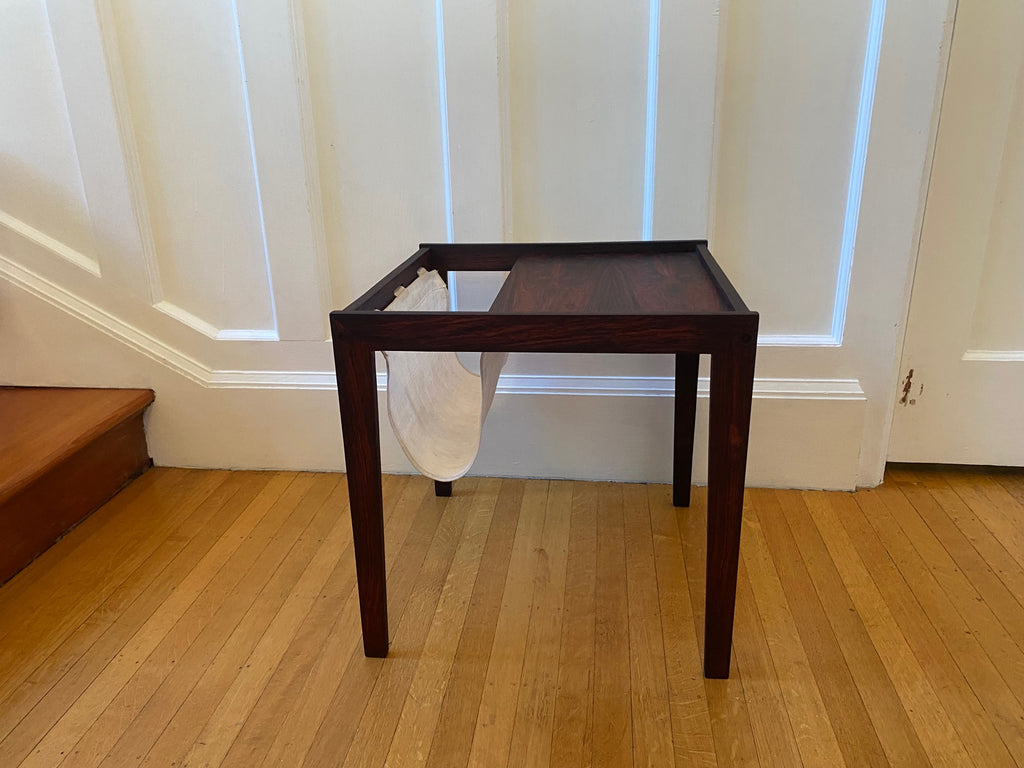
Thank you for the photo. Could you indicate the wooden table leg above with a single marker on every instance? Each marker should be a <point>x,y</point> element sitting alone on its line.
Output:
<point>442,488</point>
<point>732,381</point>
<point>685,418</point>
<point>357,395</point>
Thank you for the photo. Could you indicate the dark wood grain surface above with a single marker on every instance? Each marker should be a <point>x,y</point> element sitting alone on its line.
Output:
<point>63,452</point>
<point>618,284</point>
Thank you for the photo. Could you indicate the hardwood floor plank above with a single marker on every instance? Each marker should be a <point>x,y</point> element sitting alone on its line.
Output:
<point>141,706</point>
<point>141,709</point>
<point>211,618</point>
<point>895,731</point>
<point>60,603</point>
<point>334,737</point>
<point>380,718</point>
<point>415,730</point>
<point>492,737</point>
<point>65,672</point>
<point>931,722</point>
<point>808,717</point>
<point>1003,517</point>
<point>995,556</point>
<point>275,741</point>
<point>56,722</point>
<point>208,673</point>
<point>613,727</point>
<point>572,732</point>
<point>692,741</point>
<point>648,678</point>
<point>986,682</point>
<point>286,682</point>
<point>853,726</point>
<point>222,728</point>
<point>1002,647</point>
<point>317,649</point>
<point>1013,482</point>
<point>727,707</point>
<point>979,736</point>
<point>91,532</point>
<point>531,733</point>
<point>453,737</point>
<point>769,718</point>
<point>1006,603</point>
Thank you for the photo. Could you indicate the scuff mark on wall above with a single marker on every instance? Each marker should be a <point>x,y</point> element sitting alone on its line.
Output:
<point>907,384</point>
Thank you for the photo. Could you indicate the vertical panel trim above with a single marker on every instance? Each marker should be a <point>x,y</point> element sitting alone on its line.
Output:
<point>255,164</point>
<point>504,65</point>
<point>309,157</point>
<point>446,158</point>
<point>869,79</point>
<point>650,137</point>
<point>129,145</point>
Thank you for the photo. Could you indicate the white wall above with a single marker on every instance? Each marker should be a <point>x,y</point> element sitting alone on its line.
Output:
<point>197,184</point>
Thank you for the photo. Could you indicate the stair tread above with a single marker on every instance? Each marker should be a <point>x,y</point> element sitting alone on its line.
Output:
<point>40,426</point>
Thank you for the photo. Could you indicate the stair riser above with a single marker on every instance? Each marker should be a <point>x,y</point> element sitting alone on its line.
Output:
<point>43,511</point>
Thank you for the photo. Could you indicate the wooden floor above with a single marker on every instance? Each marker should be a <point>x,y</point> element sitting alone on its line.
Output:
<point>210,619</point>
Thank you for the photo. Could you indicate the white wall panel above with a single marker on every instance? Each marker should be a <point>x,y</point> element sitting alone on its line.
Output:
<point>999,312</point>
<point>374,83</point>
<point>687,55</point>
<point>475,87</point>
<point>791,88</point>
<point>184,77</point>
<point>40,182</point>
<point>248,165</point>
<point>578,82</point>
<point>272,37</point>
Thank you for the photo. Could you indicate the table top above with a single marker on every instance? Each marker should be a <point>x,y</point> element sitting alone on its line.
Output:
<point>678,277</point>
<point>619,297</point>
<point>618,284</point>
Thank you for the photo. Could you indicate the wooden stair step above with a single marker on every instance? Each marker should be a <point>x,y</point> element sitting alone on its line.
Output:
<point>63,453</point>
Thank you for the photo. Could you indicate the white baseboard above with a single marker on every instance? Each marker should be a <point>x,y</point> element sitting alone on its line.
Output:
<point>804,433</point>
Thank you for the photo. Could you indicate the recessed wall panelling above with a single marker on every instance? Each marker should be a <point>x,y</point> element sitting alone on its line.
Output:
<point>375,94</point>
<point>791,86</point>
<point>687,65</point>
<point>999,312</point>
<point>578,85</point>
<point>474,63</point>
<point>188,107</point>
<point>40,182</point>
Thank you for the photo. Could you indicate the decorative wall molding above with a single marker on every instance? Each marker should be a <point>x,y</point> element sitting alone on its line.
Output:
<point>851,217</point>
<point>310,160</point>
<point>442,96</point>
<point>187,318</point>
<point>994,355</point>
<point>798,340</point>
<point>260,211</point>
<point>504,83</point>
<point>103,321</point>
<point>446,154</point>
<point>510,384</point>
<point>529,384</point>
<point>125,129</point>
<point>651,131</point>
<point>66,252</point>
<point>209,330</point>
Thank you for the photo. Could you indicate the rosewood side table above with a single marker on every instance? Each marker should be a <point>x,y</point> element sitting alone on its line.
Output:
<point>643,297</point>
